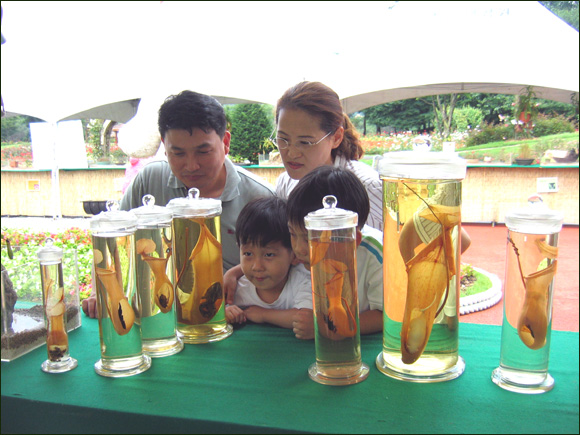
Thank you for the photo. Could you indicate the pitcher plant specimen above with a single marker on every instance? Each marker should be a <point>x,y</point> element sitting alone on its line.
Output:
<point>429,273</point>
<point>533,320</point>
<point>340,318</point>
<point>206,297</point>
<point>57,338</point>
<point>163,288</point>
<point>118,307</point>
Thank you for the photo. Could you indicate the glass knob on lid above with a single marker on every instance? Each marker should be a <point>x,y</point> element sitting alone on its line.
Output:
<point>195,206</point>
<point>330,217</point>
<point>113,219</point>
<point>535,218</point>
<point>150,214</point>
<point>49,254</point>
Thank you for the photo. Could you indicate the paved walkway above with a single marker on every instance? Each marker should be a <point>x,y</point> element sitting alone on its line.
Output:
<point>487,252</point>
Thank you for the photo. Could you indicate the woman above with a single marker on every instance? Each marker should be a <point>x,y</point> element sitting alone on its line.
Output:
<point>312,131</point>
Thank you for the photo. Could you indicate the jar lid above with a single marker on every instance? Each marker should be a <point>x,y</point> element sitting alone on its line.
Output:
<point>330,217</point>
<point>535,218</point>
<point>49,254</point>
<point>113,220</point>
<point>423,165</point>
<point>195,206</point>
<point>149,214</point>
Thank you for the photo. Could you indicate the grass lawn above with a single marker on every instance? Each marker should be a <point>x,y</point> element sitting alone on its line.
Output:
<point>481,284</point>
<point>500,151</point>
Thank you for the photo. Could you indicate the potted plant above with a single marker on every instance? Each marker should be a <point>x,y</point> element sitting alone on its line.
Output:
<point>525,156</point>
<point>525,110</point>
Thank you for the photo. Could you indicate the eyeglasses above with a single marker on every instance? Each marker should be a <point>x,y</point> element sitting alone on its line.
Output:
<point>302,144</point>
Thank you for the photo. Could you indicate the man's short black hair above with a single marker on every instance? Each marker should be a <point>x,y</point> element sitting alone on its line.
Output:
<point>307,196</point>
<point>263,220</point>
<point>188,110</point>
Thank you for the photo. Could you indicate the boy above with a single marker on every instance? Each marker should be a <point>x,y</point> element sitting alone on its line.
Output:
<point>273,289</point>
<point>351,195</point>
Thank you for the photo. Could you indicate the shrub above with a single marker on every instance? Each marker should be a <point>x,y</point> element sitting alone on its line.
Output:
<point>490,133</point>
<point>251,124</point>
<point>546,125</point>
<point>467,118</point>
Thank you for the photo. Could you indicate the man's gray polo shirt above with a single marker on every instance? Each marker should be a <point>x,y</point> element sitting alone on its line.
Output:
<point>241,187</point>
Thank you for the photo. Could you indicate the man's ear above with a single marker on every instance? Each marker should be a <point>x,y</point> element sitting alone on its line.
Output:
<point>226,141</point>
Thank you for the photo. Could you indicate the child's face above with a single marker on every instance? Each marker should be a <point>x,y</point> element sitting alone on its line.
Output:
<point>267,266</point>
<point>299,240</point>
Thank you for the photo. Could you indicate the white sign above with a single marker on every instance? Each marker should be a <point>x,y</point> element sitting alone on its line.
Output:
<point>547,185</point>
<point>67,141</point>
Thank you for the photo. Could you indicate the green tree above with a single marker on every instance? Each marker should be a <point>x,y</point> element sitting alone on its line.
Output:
<point>411,114</point>
<point>466,118</point>
<point>491,105</point>
<point>250,125</point>
<point>17,128</point>
<point>443,107</point>
<point>567,11</point>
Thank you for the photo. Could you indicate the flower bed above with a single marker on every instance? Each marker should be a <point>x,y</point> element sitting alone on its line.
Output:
<point>403,141</point>
<point>19,247</point>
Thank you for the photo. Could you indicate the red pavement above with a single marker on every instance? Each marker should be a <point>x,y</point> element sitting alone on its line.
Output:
<point>488,251</point>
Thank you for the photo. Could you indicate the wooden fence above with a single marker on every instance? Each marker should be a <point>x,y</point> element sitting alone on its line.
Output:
<point>489,191</point>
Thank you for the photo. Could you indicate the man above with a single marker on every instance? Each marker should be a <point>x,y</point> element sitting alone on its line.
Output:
<point>193,131</point>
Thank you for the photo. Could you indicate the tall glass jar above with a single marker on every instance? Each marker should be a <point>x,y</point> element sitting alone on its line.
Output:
<point>332,242</point>
<point>422,230</point>
<point>531,265</point>
<point>155,279</point>
<point>118,302</point>
<point>198,268</point>
<point>55,312</point>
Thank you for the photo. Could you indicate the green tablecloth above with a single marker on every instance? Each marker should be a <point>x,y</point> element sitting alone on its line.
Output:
<point>256,381</point>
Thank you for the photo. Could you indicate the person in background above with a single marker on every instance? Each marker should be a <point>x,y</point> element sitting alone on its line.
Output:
<point>193,130</point>
<point>312,131</point>
<point>351,195</point>
<point>274,288</point>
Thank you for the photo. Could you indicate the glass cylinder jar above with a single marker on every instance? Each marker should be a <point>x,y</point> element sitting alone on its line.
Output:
<point>198,268</point>
<point>332,242</point>
<point>118,302</point>
<point>55,310</point>
<point>531,263</point>
<point>155,279</point>
<point>422,230</point>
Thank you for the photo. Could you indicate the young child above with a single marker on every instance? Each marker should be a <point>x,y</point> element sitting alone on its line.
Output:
<point>273,288</point>
<point>351,195</point>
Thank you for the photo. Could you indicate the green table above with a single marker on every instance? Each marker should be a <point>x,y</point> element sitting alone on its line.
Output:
<point>256,381</point>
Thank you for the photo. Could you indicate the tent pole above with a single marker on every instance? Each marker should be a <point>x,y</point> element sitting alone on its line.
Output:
<point>56,209</point>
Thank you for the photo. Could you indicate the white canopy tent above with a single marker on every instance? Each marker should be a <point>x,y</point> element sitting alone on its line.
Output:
<point>65,60</point>
<point>71,60</point>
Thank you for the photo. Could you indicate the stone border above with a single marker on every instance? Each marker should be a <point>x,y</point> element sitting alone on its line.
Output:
<point>483,300</point>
